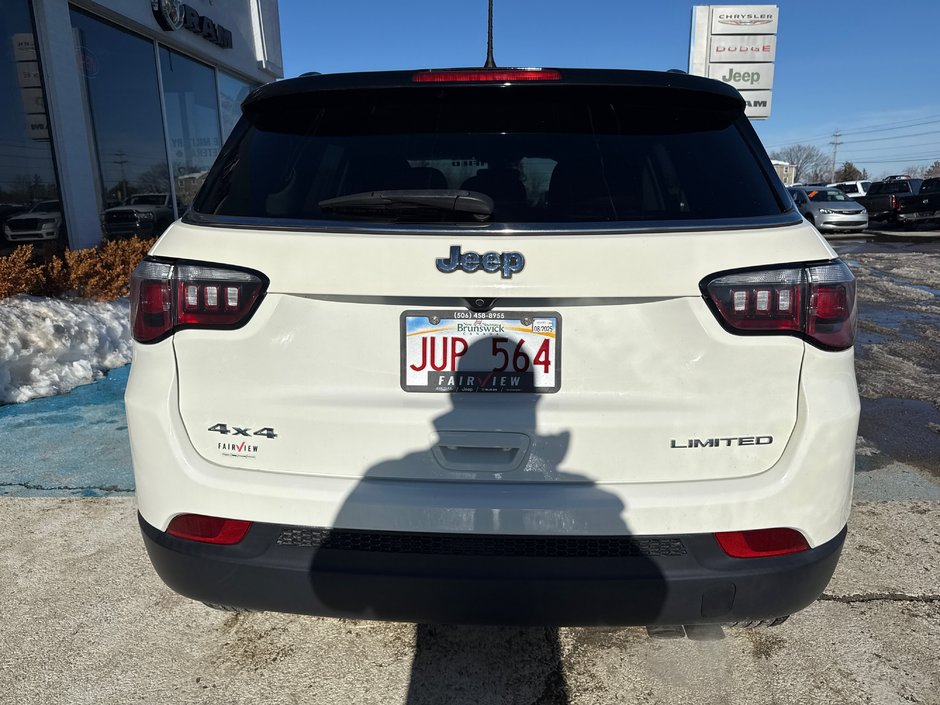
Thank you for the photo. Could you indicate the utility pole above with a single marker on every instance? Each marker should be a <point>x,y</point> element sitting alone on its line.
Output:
<point>122,161</point>
<point>835,146</point>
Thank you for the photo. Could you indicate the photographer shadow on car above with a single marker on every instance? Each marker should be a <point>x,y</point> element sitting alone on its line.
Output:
<point>491,531</point>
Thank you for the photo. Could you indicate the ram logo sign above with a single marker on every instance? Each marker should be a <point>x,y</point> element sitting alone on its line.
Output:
<point>757,102</point>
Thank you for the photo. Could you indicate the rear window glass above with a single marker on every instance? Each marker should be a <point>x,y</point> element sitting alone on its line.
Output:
<point>555,154</point>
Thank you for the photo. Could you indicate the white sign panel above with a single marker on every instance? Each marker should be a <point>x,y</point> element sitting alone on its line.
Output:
<point>33,101</point>
<point>745,19</point>
<point>742,47</point>
<point>758,103</point>
<point>744,76</point>
<point>37,126</point>
<point>24,47</point>
<point>27,73</point>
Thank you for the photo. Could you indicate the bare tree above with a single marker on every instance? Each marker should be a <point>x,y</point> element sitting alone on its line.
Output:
<point>156,179</point>
<point>933,171</point>
<point>810,161</point>
<point>916,171</point>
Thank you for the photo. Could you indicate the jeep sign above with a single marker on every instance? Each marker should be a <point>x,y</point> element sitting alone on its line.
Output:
<point>743,76</point>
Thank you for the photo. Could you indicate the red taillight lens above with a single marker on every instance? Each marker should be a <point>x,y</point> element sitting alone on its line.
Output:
<point>197,527</point>
<point>816,302</point>
<point>486,75</point>
<point>167,297</point>
<point>761,543</point>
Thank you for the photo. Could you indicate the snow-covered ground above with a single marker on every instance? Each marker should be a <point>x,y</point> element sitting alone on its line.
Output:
<point>50,346</point>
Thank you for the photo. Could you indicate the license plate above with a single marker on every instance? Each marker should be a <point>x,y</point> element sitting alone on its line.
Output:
<point>493,352</point>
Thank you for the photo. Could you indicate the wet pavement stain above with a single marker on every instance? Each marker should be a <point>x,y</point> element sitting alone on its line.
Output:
<point>75,444</point>
<point>901,429</point>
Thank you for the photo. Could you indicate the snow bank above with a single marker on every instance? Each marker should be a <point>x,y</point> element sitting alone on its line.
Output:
<point>49,346</point>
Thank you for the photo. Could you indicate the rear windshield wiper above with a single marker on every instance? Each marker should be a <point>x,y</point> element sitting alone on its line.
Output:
<point>411,201</point>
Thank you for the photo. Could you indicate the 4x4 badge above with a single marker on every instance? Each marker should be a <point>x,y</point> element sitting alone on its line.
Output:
<point>508,263</point>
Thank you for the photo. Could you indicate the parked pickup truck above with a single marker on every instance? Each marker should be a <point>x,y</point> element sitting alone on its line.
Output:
<point>921,207</point>
<point>883,197</point>
<point>141,215</point>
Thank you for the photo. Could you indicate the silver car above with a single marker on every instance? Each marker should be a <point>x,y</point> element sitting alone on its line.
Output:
<point>829,209</point>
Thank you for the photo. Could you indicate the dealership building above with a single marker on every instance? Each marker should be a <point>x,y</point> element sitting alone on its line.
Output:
<point>107,99</point>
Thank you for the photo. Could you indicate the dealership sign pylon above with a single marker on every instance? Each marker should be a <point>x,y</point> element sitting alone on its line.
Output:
<point>737,44</point>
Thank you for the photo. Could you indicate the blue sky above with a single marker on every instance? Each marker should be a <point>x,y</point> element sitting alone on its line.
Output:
<point>870,68</point>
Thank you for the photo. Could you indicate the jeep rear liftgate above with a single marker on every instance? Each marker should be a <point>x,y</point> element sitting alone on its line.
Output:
<point>490,346</point>
<point>627,376</point>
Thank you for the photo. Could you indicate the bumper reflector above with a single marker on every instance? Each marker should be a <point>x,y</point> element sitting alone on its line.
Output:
<point>196,527</point>
<point>761,543</point>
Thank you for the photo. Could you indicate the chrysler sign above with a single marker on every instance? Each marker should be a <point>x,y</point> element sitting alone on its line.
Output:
<point>745,19</point>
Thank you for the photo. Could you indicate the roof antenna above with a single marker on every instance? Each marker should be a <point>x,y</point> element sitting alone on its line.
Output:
<point>490,61</point>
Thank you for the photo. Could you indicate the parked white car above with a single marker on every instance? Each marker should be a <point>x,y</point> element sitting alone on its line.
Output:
<point>483,346</point>
<point>853,188</point>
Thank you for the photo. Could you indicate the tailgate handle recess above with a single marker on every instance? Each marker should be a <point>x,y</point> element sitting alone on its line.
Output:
<point>480,451</point>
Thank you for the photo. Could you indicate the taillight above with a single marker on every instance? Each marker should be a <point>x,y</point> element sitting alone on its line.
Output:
<point>485,75</point>
<point>893,202</point>
<point>166,297</point>
<point>761,543</point>
<point>815,302</point>
<point>197,527</point>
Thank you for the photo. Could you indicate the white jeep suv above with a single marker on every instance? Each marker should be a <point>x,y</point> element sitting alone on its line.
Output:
<point>527,346</point>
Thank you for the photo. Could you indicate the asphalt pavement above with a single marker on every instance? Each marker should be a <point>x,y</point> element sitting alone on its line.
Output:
<point>86,620</point>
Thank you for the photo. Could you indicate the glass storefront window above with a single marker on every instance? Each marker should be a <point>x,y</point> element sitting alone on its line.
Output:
<point>232,91</point>
<point>27,169</point>
<point>192,117</point>
<point>122,103</point>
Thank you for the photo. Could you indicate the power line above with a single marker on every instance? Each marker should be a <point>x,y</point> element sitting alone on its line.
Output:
<point>883,127</point>
<point>866,150</point>
<point>894,137</point>
<point>909,160</point>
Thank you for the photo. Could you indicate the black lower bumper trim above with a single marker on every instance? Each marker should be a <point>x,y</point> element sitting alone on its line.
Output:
<point>466,579</point>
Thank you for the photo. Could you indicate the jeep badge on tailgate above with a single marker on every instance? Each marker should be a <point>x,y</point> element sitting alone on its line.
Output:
<point>508,263</point>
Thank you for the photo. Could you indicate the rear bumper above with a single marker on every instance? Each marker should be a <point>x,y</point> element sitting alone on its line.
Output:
<point>474,579</point>
<point>30,235</point>
<point>842,222</point>
<point>920,216</point>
